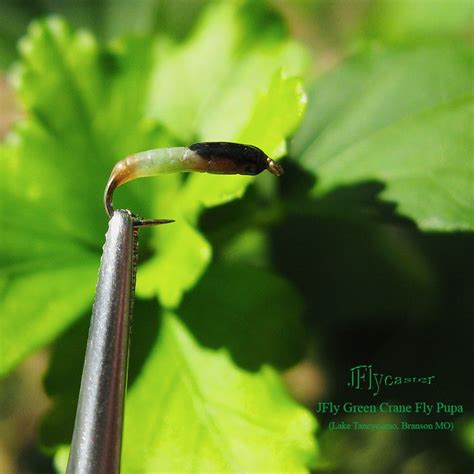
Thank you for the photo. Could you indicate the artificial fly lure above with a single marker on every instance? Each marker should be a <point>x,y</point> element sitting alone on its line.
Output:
<point>208,157</point>
<point>97,436</point>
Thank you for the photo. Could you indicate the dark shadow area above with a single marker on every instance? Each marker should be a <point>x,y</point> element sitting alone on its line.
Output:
<point>291,198</point>
<point>32,461</point>
<point>396,298</point>
<point>348,252</point>
<point>253,314</point>
<point>354,202</point>
<point>67,360</point>
<point>105,19</point>
<point>351,270</point>
<point>376,291</point>
<point>145,328</point>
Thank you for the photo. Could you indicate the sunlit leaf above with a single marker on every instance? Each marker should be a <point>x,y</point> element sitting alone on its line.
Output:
<point>39,305</point>
<point>55,163</point>
<point>275,115</point>
<point>403,118</point>
<point>220,69</point>
<point>195,401</point>
<point>244,93</point>
<point>184,256</point>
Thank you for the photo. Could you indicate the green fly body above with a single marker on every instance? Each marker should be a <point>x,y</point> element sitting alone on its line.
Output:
<point>208,157</point>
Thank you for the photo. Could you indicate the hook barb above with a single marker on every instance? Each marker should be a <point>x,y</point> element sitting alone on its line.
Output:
<point>140,222</point>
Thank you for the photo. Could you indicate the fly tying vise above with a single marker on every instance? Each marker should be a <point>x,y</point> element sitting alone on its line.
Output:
<point>207,157</point>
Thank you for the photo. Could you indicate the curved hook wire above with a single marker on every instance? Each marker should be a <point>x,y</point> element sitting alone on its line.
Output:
<point>137,221</point>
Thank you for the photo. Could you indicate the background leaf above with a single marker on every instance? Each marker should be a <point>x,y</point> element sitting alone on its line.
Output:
<point>412,20</point>
<point>55,164</point>
<point>220,68</point>
<point>401,117</point>
<point>195,401</point>
<point>108,19</point>
<point>67,361</point>
<point>253,314</point>
<point>260,105</point>
<point>54,297</point>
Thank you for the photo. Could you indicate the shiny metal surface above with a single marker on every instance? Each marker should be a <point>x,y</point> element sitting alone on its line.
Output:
<point>97,437</point>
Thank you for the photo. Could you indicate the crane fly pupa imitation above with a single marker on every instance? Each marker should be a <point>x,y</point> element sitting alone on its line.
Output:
<point>208,157</point>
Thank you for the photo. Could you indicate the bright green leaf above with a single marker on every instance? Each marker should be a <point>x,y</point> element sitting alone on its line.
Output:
<point>401,117</point>
<point>66,363</point>
<point>192,410</point>
<point>243,94</point>
<point>84,113</point>
<point>275,115</point>
<point>57,160</point>
<point>39,305</point>
<point>61,153</point>
<point>183,254</point>
<point>61,458</point>
<point>220,70</point>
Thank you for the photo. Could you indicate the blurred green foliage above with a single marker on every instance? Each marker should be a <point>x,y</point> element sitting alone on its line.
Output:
<point>330,257</point>
<point>106,18</point>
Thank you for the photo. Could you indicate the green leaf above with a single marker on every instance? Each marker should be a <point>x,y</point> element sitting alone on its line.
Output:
<point>402,117</point>
<point>184,256</point>
<point>275,115</point>
<point>66,364</point>
<point>39,305</point>
<point>243,94</point>
<point>254,314</point>
<point>182,252</point>
<point>103,96</point>
<point>106,18</point>
<point>195,401</point>
<point>61,458</point>
<point>220,70</point>
<point>59,153</point>
<point>411,20</point>
<point>55,164</point>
